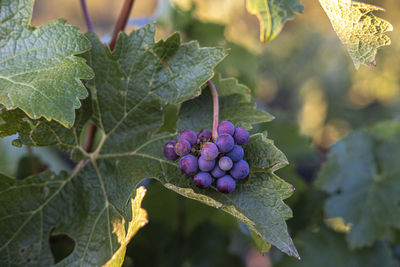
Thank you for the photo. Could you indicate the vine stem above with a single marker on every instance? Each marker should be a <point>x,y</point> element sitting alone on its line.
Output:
<point>214,94</point>
<point>120,26</point>
<point>121,23</point>
<point>88,21</point>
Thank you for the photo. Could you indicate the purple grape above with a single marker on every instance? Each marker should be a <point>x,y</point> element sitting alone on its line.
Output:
<point>188,164</point>
<point>225,163</point>
<point>240,169</point>
<point>226,184</point>
<point>224,143</point>
<point>182,147</point>
<point>241,136</point>
<point>236,153</point>
<point>202,179</point>
<point>204,136</point>
<point>169,150</point>
<point>206,165</point>
<point>189,136</point>
<point>217,172</point>
<point>209,151</point>
<point>226,127</point>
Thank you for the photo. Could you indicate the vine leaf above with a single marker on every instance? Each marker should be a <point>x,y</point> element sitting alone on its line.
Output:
<point>333,251</point>
<point>39,70</point>
<point>132,87</point>
<point>71,204</point>
<point>259,204</point>
<point>358,28</point>
<point>93,202</point>
<point>124,236</point>
<point>42,132</point>
<point>361,176</point>
<point>272,15</point>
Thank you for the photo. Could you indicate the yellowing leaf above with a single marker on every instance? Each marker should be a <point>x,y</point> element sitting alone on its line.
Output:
<point>359,30</point>
<point>272,15</point>
<point>139,219</point>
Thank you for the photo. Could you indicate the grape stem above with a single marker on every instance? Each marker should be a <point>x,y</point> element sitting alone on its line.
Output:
<point>120,26</point>
<point>88,21</point>
<point>214,94</point>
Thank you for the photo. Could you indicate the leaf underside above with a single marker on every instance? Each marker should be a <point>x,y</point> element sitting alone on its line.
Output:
<point>132,87</point>
<point>358,28</point>
<point>362,177</point>
<point>272,15</point>
<point>39,70</point>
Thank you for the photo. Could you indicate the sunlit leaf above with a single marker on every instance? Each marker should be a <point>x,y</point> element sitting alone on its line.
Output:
<point>139,219</point>
<point>358,28</point>
<point>272,15</point>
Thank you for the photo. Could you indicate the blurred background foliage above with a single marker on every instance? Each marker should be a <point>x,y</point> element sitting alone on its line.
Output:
<point>304,78</point>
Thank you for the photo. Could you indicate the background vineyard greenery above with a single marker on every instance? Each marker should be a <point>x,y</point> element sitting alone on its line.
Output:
<point>307,81</point>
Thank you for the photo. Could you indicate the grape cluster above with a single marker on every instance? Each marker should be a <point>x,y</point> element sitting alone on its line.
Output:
<point>203,159</point>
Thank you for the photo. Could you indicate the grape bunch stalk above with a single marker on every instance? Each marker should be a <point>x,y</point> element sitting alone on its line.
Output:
<point>208,156</point>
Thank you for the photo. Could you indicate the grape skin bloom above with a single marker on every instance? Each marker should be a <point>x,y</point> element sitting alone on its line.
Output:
<point>225,163</point>
<point>206,165</point>
<point>204,135</point>
<point>240,170</point>
<point>182,147</point>
<point>188,164</point>
<point>217,172</point>
<point>225,143</point>
<point>236,153</point>
<point>206,159</point>
<point>169,150</point>
<point>226,184</point>
<point>209,151</point>
<point>202,179</point>
<point>241,136</point>
<point>189,136</point>
<point>226,127</point>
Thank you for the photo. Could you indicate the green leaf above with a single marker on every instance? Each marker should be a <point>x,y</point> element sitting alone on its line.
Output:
<point>132,86</point>
<point>93,203</point>
<point>361,176</point>
<point>77,205</point>
<point>41,132</point>
<point>358,28</point>
<point>324,247</point>
<point>131,144</point>
<point>39,70</point>
<point>272,15</point>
